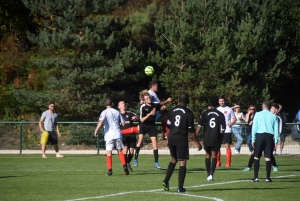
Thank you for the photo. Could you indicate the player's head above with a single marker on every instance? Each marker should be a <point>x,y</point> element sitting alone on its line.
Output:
<point>222,101</point>
<point>51,106</point>
<point>266,105</point>
<point>153,85</point>
<point>183,98</point>
<point>274,108</point>
<point>109,101</point>
<point>213,101</point>
<point>142,93</point>
<point>121,105</point>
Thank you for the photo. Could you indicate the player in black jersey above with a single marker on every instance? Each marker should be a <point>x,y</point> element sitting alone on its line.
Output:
<point>129,139</point>
<point>147,125</point>
<point>214,123</point>
<point>180,123</point>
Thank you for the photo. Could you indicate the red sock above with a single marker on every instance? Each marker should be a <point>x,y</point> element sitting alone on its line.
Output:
<point>122,158</point>
<point>219,158</point>
<point>131,130</point>
<point>108,162</point>
<point>164,128</point>
<point>228,156</point>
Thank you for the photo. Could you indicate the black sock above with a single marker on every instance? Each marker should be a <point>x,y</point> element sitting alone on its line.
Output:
<point>268,169</point>
<point>273,161</point>
<point>181,176</point>
<point>170,170</point>
<point>251,161</point>
<point>129,157</point>
<point>213,166</point>
<point>137,151</point>
<point>155,152</point>
<point>207,164</point>
<point>256,168</point>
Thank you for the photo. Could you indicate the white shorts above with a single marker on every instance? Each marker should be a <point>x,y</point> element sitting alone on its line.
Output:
<point>114,144</point>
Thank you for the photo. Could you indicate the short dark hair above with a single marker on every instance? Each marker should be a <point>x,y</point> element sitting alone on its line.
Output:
<point>221,97</point>
<point>275,105</point>
<point>267,104</point>
<point>109,101</point>
<point>183,98</point>
<point>214,101</point>
<point>151,83</point>
<point>51,103</point>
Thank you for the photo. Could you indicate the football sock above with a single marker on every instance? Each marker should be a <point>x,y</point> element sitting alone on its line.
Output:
<point>109,162</point>
<point>164,128</point>
<point>268,169</point>
<point>273,160</point>
<point>122,158</point>
<point>251,161</point>
<point>155,152</point>
<point>181,176</point>
<point>213,166</point>
<point>137,151</point>
<point>170,170</point>
<point>256,168</point>
<point>228,156</point>
<point>219,158</point>
<point>207,164</point>
<point>129,157</point>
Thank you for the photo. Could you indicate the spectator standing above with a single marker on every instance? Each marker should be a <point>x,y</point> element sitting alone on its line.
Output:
<point>237,128</point>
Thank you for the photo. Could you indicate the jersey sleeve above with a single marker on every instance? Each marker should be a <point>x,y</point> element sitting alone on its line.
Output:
<point>102,116</point>
<point>201,120</point>
<point>43,116</point>
<point>223,122</point>
<point>191,123</point>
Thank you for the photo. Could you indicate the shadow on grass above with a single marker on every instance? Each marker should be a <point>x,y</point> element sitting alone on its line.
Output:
<point>235,189</point>
<point>4,177</point>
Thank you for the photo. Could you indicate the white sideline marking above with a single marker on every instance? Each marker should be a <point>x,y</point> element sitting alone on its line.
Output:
<point>183,194</point>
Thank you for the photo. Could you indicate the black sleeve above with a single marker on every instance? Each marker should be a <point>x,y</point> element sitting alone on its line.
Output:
<point>201,119</point>
<point>191,123</point>
<point>283,117</point>
<point>223,122</point>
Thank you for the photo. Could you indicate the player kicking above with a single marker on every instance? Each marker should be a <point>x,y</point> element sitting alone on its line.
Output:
<point>227,139</point>
<point>180,123</point>
<point>128,131</point>
<point>111,118</point>
<point>213,122</point>
<point>147,125</point>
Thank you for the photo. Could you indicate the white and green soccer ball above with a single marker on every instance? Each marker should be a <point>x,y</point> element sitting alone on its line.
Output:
<point>149,70</point>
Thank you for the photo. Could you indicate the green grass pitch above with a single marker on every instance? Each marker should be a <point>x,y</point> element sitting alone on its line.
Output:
<point>83,177</point>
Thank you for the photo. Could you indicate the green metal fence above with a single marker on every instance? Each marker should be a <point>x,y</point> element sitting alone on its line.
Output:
<point>80,136</point>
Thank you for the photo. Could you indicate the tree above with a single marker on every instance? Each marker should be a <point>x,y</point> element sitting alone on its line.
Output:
<point>86,57</point>
<point>229,48</point>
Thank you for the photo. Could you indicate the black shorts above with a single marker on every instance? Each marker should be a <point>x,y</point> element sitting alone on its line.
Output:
<point>52,137</point>
<point>282,137</point>
<point>209,149</point>
<point>148,129</point>
<point>263,143</point>
<point>129,141</point>
<point>180,153</point>
<point>226,138</point>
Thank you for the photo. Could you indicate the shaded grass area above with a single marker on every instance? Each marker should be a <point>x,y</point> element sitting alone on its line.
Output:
<point>83,177</point>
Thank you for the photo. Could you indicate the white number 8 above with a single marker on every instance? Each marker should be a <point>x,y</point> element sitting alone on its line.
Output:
<point>212,122</point>
<point>177,120</point>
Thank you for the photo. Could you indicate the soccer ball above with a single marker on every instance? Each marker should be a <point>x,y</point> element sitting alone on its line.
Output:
<point>149,70</point>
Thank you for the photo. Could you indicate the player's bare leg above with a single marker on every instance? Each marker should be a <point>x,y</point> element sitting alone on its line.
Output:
<point>44,151</point>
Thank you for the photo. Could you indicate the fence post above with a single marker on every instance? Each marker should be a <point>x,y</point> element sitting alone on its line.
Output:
<point>98,145</point>
<point>21,137</point>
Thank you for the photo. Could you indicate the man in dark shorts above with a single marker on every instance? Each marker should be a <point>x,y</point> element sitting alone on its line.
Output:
<point>180,123</point>
<point>50,119</point>
<point>129,139</point>
<point>147,125</point>
<point>214,126</point>
<point>264,135</point>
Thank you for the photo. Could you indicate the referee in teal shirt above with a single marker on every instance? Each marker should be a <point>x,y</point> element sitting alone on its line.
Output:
<point>264,133</point>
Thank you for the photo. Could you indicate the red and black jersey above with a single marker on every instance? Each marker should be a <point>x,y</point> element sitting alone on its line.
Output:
<point>127,116</point>
<point>181,121</point>
<point>213,121</point>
